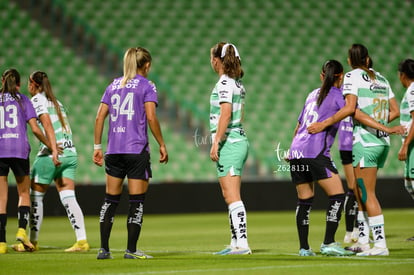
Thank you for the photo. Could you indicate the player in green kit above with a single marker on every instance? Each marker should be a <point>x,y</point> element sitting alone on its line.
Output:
<point>406,153</point>
<point>230,146</point>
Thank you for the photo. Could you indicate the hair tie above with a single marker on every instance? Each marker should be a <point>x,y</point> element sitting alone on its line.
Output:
<point>224,49</point>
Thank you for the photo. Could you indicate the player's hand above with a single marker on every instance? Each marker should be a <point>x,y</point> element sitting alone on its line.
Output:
<point>97,157</point>
<point>60,148</point>
<point>214,152</point>
<point>402,154</point>
<point>316,127</point>
<point>55,159</point>
<point>397,130</point>
<point>163,154</point>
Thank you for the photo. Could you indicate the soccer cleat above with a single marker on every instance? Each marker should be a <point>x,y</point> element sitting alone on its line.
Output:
<point>3,248</point>
<point>22,237</point>
<point>19,247</point>
<point>348,237</point>
<point>351,237</point>
<point>410,239</point>
<point>79,246</point>
<point>306,252</point>
<point>136,255</point>
<point>103,254</point>
<point>355,235</point>
<point>334,249</point>
<point>224,251</point>
<point>375,251</point>
<point>358,247</point>
<point>237,251</point>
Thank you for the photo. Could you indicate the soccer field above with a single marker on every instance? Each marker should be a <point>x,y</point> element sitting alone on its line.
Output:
<point>184,244</point>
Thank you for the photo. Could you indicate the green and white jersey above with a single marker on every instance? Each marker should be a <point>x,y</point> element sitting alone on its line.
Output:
<point>230,91</point>
<point>63,136</point>
<point>406,107</point>
<point>373,99</point>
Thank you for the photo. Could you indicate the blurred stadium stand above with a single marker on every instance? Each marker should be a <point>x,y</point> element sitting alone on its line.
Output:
<point>283,44</point>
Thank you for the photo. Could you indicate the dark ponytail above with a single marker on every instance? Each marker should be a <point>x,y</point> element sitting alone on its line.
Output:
<point>331,72</point>
<point>358,57</point>
<point>11,80</point>
<point>41,80</point>
<point>407,67</point>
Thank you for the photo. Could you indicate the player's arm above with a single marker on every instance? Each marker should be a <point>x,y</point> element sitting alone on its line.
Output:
<point>394,110</point>
<point>101,115</point>
<point>154,125</point>
<point>223,122</point>
<point>403,153</point>
<point>366,120</point>
<point>347,110</point>
<point>50,134</point>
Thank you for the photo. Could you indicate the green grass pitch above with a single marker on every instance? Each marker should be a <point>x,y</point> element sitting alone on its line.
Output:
<point>184,244</point>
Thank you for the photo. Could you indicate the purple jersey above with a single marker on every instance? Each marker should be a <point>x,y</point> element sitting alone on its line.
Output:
<point>306,145</point>
<point>14,116</point>
<point>127,133</point>
<point>345,134</point>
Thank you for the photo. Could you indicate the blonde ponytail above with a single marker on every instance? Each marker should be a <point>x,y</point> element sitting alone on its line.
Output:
<point>134,59</point>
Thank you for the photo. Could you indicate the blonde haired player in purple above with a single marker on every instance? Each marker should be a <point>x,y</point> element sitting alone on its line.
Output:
<point>130,102</point>
<point>311,161</point>
<point>16,111</point>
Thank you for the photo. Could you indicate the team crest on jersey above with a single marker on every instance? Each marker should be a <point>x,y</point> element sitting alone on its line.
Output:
<point>153,86</point>
<point>366,78</point>
<point>223,93</point>
<point>238,83</point>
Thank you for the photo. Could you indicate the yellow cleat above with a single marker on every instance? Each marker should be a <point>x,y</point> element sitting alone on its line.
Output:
<point>3,248</point>
<point>79,246</point>
<point>19,247</point>
<point>22,237</point>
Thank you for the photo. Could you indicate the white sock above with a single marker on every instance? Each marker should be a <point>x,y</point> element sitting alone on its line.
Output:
<point>363,227</point>
<point>377,227</point>
<point>36,214</point>
<point>74,212</point>
<point>239,221</point>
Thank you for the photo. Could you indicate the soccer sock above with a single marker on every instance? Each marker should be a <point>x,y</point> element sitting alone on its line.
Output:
<point>351,208</point>
<point>3,223</point>
<point>233,239</point>
<point>333,216</point>
<point>377,228</point>
<point>239,222</point>
<point>363,227</point>
<point>74,212</point>
<point>23,216</point>
<point>303,210</point>
<point>409,187</point>
<point>135,219</point>
<point>36,214</point>
<point>106,218</point>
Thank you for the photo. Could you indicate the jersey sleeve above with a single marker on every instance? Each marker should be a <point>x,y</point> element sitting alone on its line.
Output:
<point>410,99</point>
<point>351,83</point>
<point>391,94</point>
<point>29,110</point>
<point>40,104</point>
<point>225,92</point>
<point>151,93</point>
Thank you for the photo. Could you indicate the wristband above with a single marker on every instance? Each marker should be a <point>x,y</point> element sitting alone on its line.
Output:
<point>97,146</point>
